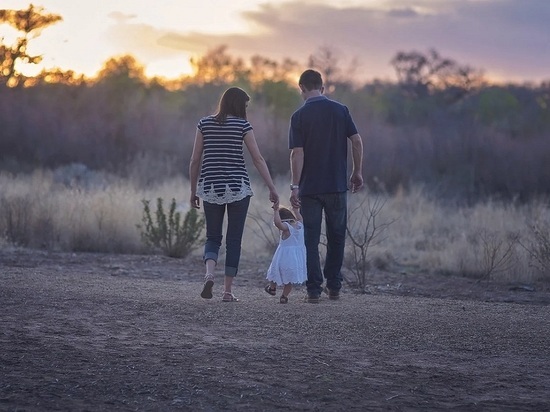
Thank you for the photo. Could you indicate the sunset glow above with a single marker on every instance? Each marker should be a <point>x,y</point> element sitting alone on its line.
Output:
<point>505,38</point>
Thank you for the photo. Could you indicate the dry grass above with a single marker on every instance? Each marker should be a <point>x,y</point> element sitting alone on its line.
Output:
<point>461,240</point>
<point>38,211</point>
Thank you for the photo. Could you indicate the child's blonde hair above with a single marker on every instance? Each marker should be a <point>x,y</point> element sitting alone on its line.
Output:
<point>286,214</point>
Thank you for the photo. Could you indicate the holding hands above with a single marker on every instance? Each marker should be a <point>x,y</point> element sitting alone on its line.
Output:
<point>295,198</point>
<point>274,198</point>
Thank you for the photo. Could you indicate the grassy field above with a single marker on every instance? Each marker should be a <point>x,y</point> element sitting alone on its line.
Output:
<point>404,232</point>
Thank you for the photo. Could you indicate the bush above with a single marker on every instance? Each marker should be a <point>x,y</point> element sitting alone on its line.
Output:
<point>16,220</point>
<point>364,230</point>
<point>539,247</point>
<point>168,233</point>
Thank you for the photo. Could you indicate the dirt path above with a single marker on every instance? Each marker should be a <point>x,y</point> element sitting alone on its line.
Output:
<point>105,333</point>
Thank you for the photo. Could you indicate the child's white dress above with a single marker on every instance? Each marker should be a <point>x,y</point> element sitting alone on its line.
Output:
<point>289,260</point>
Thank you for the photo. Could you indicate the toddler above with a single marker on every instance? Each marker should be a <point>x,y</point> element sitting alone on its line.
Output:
<point>288,265</point>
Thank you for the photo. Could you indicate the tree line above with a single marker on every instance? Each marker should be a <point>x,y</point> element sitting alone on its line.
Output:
<point>440,124</point>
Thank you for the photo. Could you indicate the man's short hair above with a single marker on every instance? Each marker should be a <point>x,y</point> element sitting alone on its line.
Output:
<point>311,80</point>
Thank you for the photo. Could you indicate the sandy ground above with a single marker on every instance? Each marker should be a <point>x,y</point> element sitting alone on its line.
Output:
<point>113,332</point>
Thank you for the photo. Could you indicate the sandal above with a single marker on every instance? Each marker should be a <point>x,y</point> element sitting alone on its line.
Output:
<point>270,290</point>
<point>207,287</point>
<point>229,297</point>
<point>283,299</point>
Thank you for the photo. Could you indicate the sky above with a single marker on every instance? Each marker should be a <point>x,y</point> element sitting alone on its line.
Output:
<point>509,40</point>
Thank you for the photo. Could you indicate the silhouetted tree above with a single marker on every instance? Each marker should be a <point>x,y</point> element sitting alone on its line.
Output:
<point>124,67</point>
<point>56,76</point>
<point>420,74</point>
<point>326,61</point>
<point>263,69</point>
<point>30,23</point>
<point>216,66</point>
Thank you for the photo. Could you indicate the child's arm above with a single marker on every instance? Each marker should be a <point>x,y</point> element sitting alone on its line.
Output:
<point>296,211</point>
<point>277,221</point>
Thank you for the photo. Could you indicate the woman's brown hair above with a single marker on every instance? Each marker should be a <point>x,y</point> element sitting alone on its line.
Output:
<point>232,103</point>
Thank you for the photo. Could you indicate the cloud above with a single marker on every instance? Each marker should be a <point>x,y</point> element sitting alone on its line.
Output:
<point>120,17</point>
<point>406,12</point>
<point>506,38</point>
<point>145,42</point>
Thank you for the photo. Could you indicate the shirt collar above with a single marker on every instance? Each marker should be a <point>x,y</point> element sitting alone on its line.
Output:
<point>315,99</point>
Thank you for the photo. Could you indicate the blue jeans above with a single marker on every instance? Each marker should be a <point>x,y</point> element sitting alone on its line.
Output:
<point>236,217</point>
<point>334,206</point>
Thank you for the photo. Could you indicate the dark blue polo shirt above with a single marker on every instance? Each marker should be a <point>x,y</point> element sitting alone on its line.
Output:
<point>322,128</point>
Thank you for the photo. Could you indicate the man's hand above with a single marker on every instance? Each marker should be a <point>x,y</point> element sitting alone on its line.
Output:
<point>356,182</point>
<point>295,199</point>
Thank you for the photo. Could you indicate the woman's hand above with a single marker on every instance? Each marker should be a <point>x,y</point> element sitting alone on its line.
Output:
<point>274,197</point>
<point>195,201</point>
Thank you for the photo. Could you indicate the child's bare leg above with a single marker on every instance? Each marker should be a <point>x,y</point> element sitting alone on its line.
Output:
<point>287,289</point>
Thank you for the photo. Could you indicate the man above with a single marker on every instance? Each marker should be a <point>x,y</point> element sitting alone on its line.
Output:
<point>318,140</point>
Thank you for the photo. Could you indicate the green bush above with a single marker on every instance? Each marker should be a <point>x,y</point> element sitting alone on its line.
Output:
<point>168,233</point>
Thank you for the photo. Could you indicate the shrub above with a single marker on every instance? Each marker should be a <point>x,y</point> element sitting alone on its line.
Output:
<point>363,232</point>
<point>539,247</point>
<point>497,251</point>
<point>168,233</point>
<point>16,220</point>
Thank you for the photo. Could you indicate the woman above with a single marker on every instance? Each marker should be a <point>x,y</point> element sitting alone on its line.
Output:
<point>224,184</point>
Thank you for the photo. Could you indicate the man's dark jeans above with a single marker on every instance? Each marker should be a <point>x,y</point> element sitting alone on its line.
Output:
<point>334,206</point>
<point>236,217</point>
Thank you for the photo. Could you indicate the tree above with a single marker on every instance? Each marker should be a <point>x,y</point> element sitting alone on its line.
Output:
<point>263,69</point>
<point>218,67</point>
<point>123,68</point>
<point>30,23</point>
<point>420,74</point>
<point>57,76</point>
<point>327,61</point>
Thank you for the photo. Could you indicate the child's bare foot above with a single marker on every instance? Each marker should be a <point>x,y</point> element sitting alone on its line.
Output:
<point>286,291</point>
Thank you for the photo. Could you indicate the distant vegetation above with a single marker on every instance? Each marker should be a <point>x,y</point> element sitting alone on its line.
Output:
<point>439,124</point>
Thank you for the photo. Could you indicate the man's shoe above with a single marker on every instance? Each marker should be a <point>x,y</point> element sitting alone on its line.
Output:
<point>312,298</point>
<point>332,294</point>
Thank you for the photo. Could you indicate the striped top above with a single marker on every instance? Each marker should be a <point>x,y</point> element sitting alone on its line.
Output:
<point>224,178</point>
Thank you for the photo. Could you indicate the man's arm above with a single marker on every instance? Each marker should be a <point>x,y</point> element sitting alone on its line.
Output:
<point>296,166</point>
<point>356,179</point>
